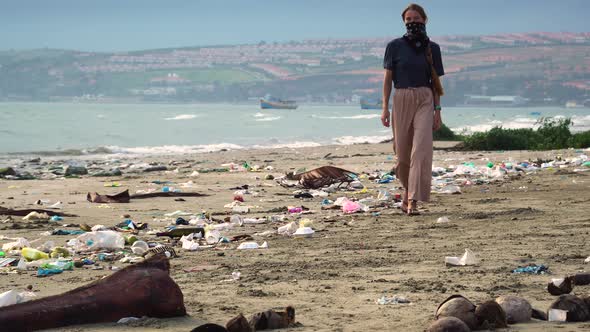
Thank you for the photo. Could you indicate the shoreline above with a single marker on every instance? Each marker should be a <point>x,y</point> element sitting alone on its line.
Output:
<point>82,155</point>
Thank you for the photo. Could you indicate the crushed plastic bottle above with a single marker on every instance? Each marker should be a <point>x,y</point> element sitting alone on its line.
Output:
<point>31,254</point>
<point>60,264</point>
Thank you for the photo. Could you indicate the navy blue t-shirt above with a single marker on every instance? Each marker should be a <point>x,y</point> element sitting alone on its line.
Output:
<point>411,69</point>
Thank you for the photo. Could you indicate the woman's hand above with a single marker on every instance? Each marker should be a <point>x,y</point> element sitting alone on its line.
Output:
<point>385,117</point>
<point>437,120</point>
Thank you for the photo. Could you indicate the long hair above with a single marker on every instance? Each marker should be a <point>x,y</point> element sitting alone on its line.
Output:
<point>436,83</point>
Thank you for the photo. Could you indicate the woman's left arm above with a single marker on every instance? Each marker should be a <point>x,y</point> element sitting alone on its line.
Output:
<point>436,124</point>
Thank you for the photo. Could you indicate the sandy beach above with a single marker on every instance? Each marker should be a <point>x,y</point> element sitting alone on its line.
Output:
<point>334,278</point>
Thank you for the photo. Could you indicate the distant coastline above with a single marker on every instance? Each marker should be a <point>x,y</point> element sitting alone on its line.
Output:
<point>536,66</point>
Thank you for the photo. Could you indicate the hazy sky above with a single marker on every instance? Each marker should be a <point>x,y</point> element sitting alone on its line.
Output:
<point>117,25</point>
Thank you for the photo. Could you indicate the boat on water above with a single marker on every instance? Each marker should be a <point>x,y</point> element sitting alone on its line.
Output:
<point>273,103</point>
<point>371,104</point>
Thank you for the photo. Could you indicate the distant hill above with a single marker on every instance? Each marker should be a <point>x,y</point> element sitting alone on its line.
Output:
<point>543,67</point>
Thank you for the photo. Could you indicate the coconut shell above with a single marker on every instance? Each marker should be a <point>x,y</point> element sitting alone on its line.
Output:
<point>517,309</point>
<point>448,324</point>
<point>238,324</point>
<point>577,310</point>
<point>459,307</point>
<point>581,279</point>
<point>209,328</point>
<point>565,287</point>
<point>490,315</point>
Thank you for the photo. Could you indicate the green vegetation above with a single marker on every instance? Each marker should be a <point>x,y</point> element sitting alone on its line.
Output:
<point>552,134</point>
<point>445,134</point>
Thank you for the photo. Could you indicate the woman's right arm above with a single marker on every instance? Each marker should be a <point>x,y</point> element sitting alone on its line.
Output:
<point>387,83</point>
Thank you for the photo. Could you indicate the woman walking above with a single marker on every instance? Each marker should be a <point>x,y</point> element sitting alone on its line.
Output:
<point>413,64</point>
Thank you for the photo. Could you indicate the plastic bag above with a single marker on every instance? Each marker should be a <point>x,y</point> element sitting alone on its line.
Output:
<point>109,240</point>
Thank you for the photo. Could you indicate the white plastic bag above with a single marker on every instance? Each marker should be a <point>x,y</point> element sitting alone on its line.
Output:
<point>20,243</point>
<point>109,240</point>
<point>468,258</point>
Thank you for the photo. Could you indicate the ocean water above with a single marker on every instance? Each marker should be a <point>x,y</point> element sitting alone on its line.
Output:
<point>76,128</point>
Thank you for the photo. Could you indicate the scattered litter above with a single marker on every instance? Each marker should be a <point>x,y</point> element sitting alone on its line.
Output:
<point>139,247</point>
<point>18,244</point>
<point>252,245</point>
<point>127,320</point>
<point>56,218</point>
<point>468,258</point>
<point>532,269</point>
<point>442,220</point>
<point>13,297</point>
<point>98,240</point>
<point>288,229</point>
<point>36,216</point>
<point>557,315</point>
<point>384,300</point>
<point>304,232</point>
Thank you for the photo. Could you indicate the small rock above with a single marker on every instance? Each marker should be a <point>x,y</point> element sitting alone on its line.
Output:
<point>75,170</point>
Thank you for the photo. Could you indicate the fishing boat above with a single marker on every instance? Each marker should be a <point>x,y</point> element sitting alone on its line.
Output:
<point>371,104</point>
<point>273,103</point>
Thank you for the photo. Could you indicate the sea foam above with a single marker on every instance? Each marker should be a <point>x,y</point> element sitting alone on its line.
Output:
<point>182,117</point>
<point>351,117</point>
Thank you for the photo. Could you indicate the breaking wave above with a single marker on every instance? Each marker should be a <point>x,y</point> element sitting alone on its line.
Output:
<point>349,140</point>
<point>173,149</point>
<point>351,117</point>
<point>270,118</point>
<point>182,117</point>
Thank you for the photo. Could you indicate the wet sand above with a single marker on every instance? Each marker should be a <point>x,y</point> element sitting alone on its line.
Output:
<point>334,278</point>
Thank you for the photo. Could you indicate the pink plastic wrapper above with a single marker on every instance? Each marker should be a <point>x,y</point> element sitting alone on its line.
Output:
<point>295,210</point>
<point>350,207</point>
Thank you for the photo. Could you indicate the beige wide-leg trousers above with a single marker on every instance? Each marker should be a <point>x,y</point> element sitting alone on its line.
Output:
<point>413,113</point>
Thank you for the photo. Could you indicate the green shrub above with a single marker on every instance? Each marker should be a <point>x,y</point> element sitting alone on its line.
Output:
<point>444,134</point>
<point>498,138</point>
<point>580,140</point>
<point>553,134</point>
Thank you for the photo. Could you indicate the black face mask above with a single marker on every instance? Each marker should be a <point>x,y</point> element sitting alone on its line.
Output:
<point>416,36</point>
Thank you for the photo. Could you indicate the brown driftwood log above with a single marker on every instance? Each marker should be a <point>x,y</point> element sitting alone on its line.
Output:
<point>167,194</point>
<point>23,212</point>
<point>323,176</point>
<point>124,197</point>
<point>143,289</point>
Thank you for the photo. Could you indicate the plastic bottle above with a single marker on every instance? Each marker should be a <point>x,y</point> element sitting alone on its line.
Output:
<point>236,220</point>
<point>33,254</point>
